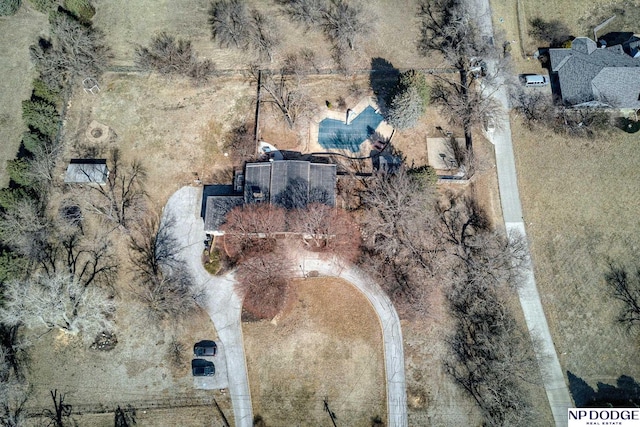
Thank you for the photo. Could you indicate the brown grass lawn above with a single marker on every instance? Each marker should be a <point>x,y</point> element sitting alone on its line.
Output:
<point>137,371</point>
<point>581,205</point>
<point>128,23</point>
<point>328,344</point>
<point>174,128</point>
<point>17,33</point>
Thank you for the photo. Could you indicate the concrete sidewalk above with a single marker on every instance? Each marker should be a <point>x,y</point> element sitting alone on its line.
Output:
<point>550,369</point>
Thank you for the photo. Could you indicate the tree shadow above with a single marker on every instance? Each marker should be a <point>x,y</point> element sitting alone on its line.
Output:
<point>626,392</point>
<point>382,80</point>
<point>614,38</point>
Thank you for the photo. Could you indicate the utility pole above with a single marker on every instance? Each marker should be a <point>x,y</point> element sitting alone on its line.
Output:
<point>331,414</point>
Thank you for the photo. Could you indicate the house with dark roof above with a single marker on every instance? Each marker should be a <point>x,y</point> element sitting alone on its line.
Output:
<point>87,171</point>
<point>287,183</point>
<point>592,76</point>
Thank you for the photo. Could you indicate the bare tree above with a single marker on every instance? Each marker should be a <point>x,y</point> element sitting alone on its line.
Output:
<point>240,144</point>
<point>61,414</point>
<point>24,228</point>
<point>447,27</point>
<point>14,393</point>
<point>398,237</point>
<point>465,106</point>
<point>59,302</point>
<point>164,284</point>
<point>264,37</point>
<point>491,356</point>
<point>326,229</point>
<point>234,24</point>
<point>582,122</point>
<point>310,13</point>
<point>42,165</point>
<point>167,55</point>
<point>625,288</point>
<point>229,20</point>
<point>536,108</point>
<point>286,92</point>
<point>252,229</point>
<point>300,63</point>
<point>77,50</point>
<point>264,282</point>
<point>121,199</point>
<point>344,23</point>
<point>87,259</point>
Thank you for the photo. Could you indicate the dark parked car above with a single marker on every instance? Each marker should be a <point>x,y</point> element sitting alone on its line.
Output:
<point>205,348</point>
<point>202,368</point>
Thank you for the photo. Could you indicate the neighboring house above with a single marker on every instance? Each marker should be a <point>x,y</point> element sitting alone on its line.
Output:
<point>87,171</point>
<point>288,183</point>
<point>589,76</point>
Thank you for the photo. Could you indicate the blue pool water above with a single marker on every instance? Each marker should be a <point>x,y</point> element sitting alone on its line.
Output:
<point>335,134</point>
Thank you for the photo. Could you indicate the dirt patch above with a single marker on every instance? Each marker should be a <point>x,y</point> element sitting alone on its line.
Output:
<point>329,344</point>
<point>18,33</point>
<point>580,209</point>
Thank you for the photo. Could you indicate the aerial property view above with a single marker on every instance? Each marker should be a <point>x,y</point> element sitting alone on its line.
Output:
<point>319,212</point>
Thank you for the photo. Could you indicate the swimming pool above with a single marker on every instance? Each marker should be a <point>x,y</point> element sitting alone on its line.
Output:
<point>335,134</point>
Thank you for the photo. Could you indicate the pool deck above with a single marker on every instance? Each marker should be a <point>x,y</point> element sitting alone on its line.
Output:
<point>325,113</point>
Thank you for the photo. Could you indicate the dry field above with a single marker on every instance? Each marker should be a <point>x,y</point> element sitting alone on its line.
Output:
<point>174,128</point>
<point>17,33</point>
<point>137,371</point>
<point>581,205</point>
<point>128,23</point>
<point>327,344</point>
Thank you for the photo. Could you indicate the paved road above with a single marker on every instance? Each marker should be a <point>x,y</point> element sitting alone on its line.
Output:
<point>391,332</point>
<point>552,374</point>
<point>223,305</point>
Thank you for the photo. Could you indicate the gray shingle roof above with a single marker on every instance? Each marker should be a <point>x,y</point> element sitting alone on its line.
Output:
<point>83,171</point>
<point>289,183</point>
<point>618,87</point>
<point>217,208</point>
<point>257,179</point>
<point>578,66</point>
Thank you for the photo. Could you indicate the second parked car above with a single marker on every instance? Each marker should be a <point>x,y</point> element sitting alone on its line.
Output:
<point>205,348</point>
<point>202,368</point>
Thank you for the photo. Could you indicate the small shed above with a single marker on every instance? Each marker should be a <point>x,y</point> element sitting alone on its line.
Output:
<point>87,171</point>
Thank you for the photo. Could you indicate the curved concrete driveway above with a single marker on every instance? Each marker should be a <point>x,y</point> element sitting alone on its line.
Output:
<point>391,332</point>
<point>223,305</point>
<point>224,308</point>
<point>551,371</point>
